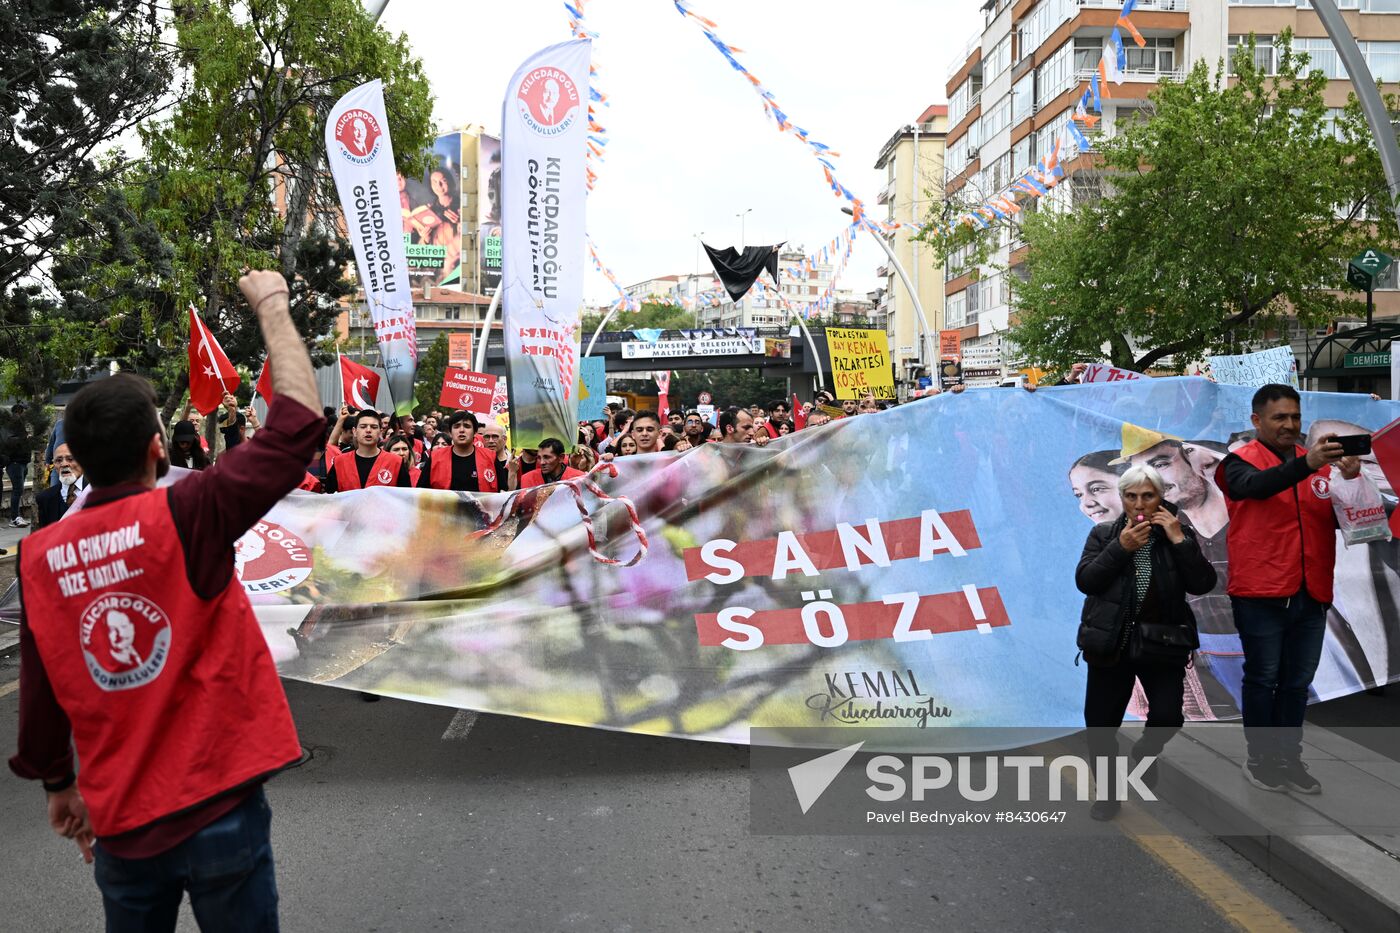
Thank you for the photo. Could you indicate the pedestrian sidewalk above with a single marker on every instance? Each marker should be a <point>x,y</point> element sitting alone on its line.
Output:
<point>10,536</point>
<point>1337,850</point>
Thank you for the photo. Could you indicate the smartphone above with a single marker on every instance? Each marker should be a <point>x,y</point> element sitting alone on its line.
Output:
<point>1354,445</point>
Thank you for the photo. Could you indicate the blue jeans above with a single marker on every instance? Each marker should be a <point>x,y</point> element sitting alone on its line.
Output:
<point>226,866</point>
<point>1282,642</point>
<point>17,470</point>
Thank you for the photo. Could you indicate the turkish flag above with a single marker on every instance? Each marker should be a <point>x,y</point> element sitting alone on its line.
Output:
<point>211,374</point>
<point>799,420</point>
<point>360,384</point>
<point>1385,445</point>
<point>264,386</point>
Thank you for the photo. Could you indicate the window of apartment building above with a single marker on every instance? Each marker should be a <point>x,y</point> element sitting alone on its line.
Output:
<point>1000,173</point>
<point>452,314</point>
<point>1023,98</point>
<point>1383,58</point>
<point>1273,3</point>
<point>1047,134</point>
<point>1055,76</point>
<point>1265,56</point>
<point>998,118</point>
<point>997,60</point>
<point>961,102</point>
<point>955,310</point>
<point>1087,52</point>
<point>1042,20</point>
<point>954,159</point>
<point>974,301</point>
<point>1022,155</point>
<point>1157,57</point>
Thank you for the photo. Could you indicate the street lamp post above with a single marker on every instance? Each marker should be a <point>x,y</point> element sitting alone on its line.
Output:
<point>695,290</point>
<point>743,302</point>
<point>930,333</point>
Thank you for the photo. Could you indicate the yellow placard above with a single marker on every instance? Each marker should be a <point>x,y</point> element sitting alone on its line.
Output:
<point>860,362</point>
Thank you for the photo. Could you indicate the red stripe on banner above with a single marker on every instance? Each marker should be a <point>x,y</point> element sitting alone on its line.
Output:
<point>824,548</point>
<point>937,614</point>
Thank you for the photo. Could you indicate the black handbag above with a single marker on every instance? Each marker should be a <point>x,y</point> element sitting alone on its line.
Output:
<point>1160,643</point>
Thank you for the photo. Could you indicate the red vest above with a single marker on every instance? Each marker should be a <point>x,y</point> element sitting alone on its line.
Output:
<point>440,472</point>
<point>173,699</point>
<point>385,471</point>
<point>1278,544</point>
<point>536,478</point>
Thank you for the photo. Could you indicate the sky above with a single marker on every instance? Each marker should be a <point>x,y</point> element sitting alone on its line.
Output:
<point>690,144</point>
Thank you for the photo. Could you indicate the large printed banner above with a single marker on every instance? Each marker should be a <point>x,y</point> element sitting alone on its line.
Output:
<point>909,568</point>
<point>361,157</point>
<point>544,131</point>
<point>913,567</point>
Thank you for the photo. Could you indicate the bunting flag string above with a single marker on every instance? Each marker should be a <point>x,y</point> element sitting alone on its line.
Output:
<point>1071,140</point>
<point>624,302</point>
<point>597,135</point>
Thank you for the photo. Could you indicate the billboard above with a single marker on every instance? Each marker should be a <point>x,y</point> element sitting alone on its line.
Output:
<point>488,179</point>
<point>432,215</point>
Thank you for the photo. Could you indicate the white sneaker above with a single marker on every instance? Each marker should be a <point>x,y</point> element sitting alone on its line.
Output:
<point>20,522</point>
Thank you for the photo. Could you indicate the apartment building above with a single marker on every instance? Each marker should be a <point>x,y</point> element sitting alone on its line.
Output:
<point>800,289</point>
<point>913,160</point>
<point>1013,88</point>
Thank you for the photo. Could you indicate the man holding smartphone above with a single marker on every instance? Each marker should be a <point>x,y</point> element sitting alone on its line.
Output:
<point>1282,547</point>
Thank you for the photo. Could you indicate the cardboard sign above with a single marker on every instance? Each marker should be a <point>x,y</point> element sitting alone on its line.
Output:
<point>468,391</point>
<point>459,350</point>
<point>860,362</point>
<point>1102,372</point>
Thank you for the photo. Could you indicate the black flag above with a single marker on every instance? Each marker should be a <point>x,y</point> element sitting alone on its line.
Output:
<point>737,272</point>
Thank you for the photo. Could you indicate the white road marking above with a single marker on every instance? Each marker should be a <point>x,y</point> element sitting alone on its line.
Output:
<point>460,726</point>
<point>9,688</point>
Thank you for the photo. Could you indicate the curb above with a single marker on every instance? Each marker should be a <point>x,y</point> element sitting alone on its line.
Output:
<point>1348,878</point>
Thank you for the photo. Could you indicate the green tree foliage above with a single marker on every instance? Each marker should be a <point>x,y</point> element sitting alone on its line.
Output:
<point>74,76</point>
<point>651,314</point>
<point>235,178</point>
<point>727,387</point>
<point>1232,206</point>
<point>432,366</point>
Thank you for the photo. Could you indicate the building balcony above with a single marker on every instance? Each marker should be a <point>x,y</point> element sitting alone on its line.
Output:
<point>883,272</point>
<point>973,43</point>
<point>1150,6</point>
<point>886,194</point>
<point>1135,76</point>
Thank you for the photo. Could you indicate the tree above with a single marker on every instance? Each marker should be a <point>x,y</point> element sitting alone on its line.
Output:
<point>432,366</point>
<point>235,178</point>
<point>1233,205</point>
<point>651,314</point>
<point>76,76</point>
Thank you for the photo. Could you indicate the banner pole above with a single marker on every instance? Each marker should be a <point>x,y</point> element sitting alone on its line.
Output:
<point>601,324</point>
<point>486,329</point>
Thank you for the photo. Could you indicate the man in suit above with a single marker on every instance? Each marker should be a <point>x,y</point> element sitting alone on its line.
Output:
<point>50,504</point>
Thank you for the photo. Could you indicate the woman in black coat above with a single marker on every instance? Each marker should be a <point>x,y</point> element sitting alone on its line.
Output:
<point>1135,574</point>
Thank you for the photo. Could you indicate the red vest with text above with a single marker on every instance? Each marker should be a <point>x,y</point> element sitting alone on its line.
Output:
<point>173,699</point>
<point>384,473</point>
<point>1279,543</point>
<point>440,471</point>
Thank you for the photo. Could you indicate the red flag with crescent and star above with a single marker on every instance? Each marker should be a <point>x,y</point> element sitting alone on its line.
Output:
<point>359,383</point>
<point>211,374</point>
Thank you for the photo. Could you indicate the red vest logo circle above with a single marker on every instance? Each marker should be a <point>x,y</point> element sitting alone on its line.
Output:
<point>489,475</point>
<point>359,136</point>
<point>1321,488</point>
<point>125,640</point>
<point>464,401</point>
<point>385,477</point>
<point>548,101</point>
<point>269,558</point>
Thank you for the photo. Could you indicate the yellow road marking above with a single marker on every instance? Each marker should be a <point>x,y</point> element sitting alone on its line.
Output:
<point>9,688</point>
<point>1210,882</point>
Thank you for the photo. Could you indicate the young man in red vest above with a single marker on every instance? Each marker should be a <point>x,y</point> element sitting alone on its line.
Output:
<point>1282,545</point>
<point>139,650</point>
<point>368,465</point>
<point>553,468</point>
<point>463,466</point>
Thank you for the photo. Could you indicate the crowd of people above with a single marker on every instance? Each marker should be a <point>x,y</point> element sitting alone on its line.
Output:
<point>462,451</point>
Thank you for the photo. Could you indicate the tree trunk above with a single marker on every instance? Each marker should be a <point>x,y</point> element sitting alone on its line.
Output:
<point>168,410</point>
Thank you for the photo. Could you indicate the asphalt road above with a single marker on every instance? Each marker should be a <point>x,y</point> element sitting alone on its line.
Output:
<point>517,825</point>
